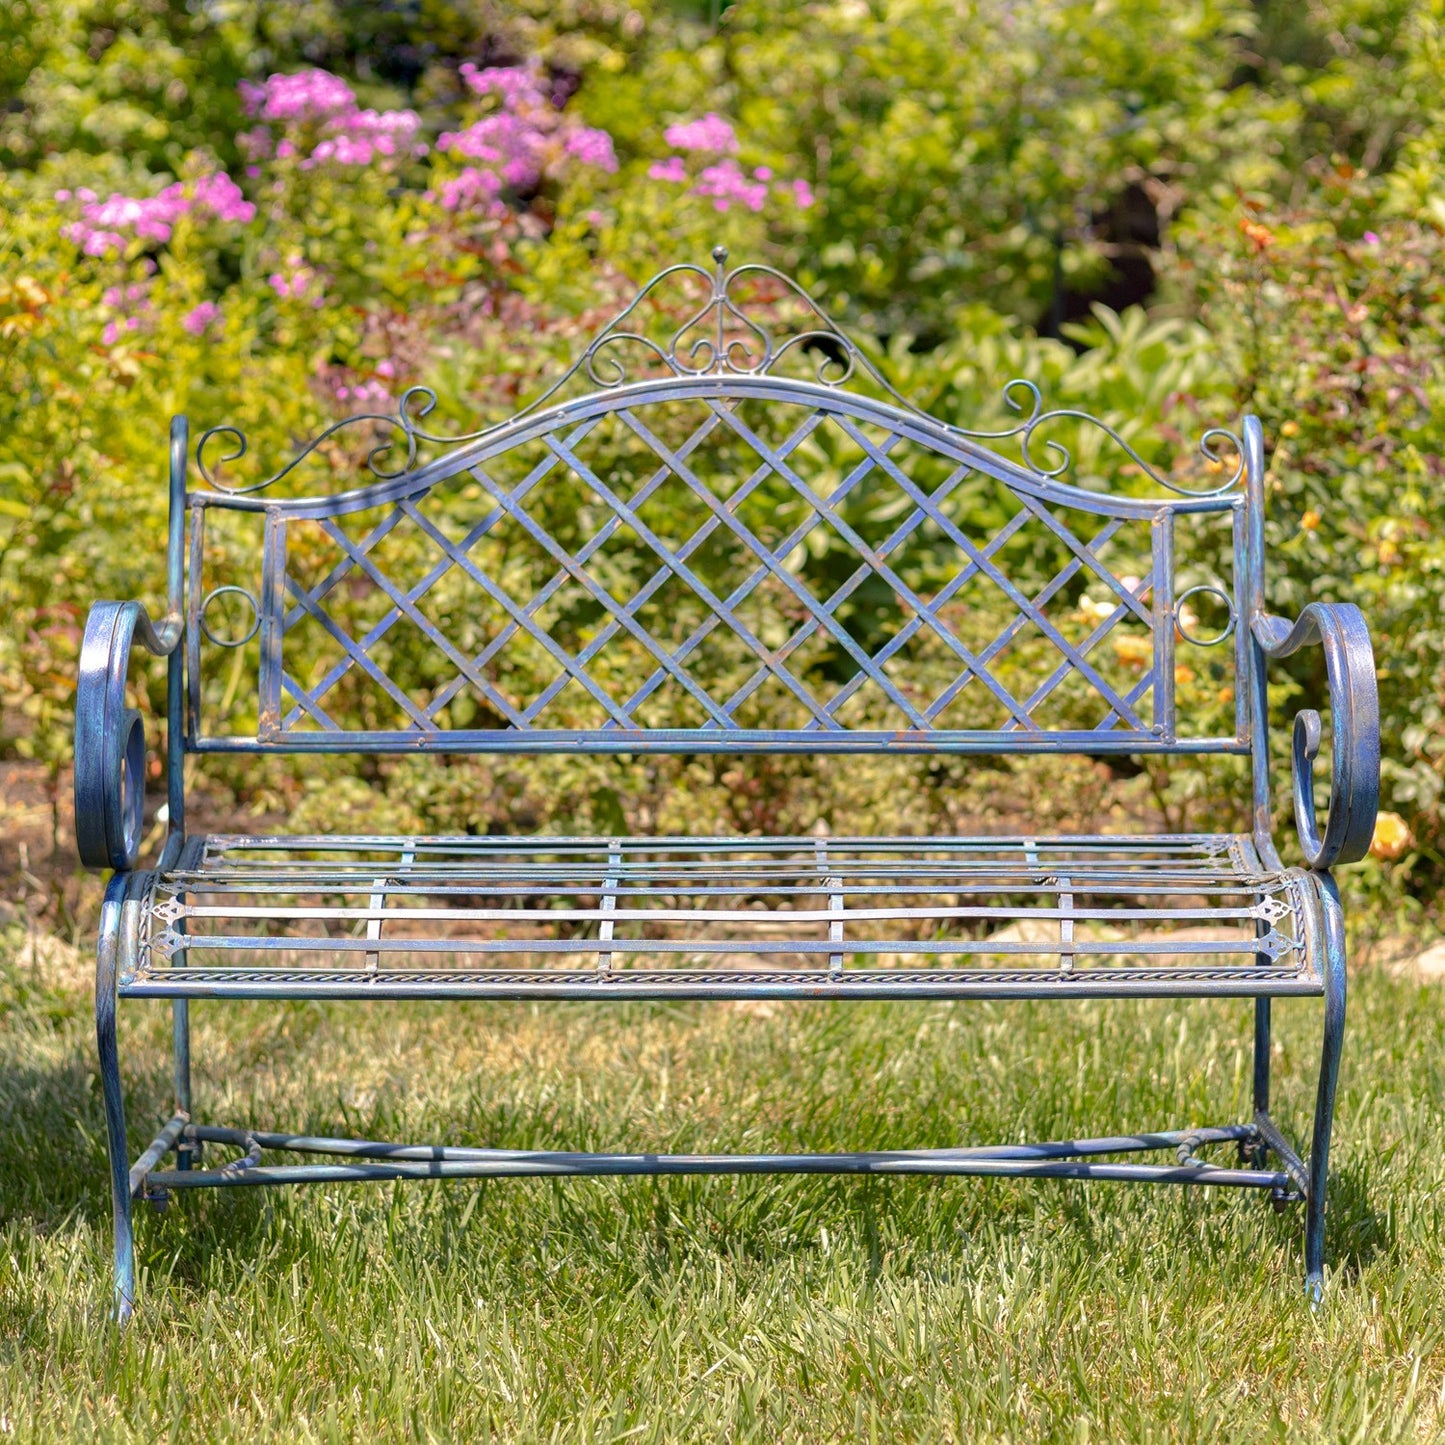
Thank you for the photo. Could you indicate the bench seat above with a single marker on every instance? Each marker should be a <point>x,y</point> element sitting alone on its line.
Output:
<point>734,917</point>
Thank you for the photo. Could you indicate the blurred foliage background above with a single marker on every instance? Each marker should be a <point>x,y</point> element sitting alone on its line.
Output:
<point>1167,212</point>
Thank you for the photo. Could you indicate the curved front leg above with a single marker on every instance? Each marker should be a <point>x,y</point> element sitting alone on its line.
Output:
<point>110,746</point>
<point>107,951</point>
<point>1340,629</point>
<point>1319,1161</point>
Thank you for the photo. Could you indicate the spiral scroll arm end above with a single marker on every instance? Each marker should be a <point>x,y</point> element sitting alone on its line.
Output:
<point>1341,631</point>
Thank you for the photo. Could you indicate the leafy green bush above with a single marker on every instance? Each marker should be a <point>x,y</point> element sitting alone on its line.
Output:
<point>457,197</point>
<point>1329,321</point>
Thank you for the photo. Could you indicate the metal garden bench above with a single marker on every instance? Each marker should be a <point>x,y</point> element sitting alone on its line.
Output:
<point>686,546</point>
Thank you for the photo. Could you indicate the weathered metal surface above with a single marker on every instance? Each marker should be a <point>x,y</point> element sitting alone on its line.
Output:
<point>1197,915</point>
<point>717,398</point>
<point>725,918</point>
<point>379,1160</point>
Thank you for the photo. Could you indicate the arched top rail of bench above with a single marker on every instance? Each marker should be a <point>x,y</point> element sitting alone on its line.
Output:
<point>723,350</point>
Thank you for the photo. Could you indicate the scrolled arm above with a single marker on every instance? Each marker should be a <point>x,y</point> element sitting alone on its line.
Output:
<point>110,747</point>
<point>1340,629</point>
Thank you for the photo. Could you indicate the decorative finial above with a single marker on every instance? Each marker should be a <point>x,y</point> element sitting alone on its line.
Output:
<point>720,255</point>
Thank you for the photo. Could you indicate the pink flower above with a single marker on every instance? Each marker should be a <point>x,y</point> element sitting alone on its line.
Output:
<point>150,217</point>
<point>726,183</point>
<point>316,98</point>
<point>355,137</point>
<point>306,95</point>
<point>197,320</point>
<point>514,85</point>
<point>92,240</point>
<point>592,148</point>
<point>492,138</point>
<point>469,187</point>
<point>516,146</point>
<point>256,142</point>
<point>346,150</point>
<point>219,194</point>
<point>672,169</point>
<point>294,283</point>
<point>99,243</point>
<point>1371,239</point>
<point>710,133</point>
<point>111,334</point>
<point>104,224</point>
<point>136,293</point>
<point>520,171</point>
<point>803,194</point>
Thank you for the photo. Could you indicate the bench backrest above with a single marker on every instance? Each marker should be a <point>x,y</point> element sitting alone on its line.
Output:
<point>719,555</point>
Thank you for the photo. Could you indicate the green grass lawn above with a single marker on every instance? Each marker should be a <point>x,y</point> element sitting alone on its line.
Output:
<point>724,1309</point>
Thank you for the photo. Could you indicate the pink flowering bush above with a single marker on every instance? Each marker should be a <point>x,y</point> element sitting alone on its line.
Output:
<point>313,118</point>
<point>343,217</point>
<point>722,179</point>
<point>307,95</point>
<point>711,133</point>
<point>199,318</point>
<point>522,138</point>
<point>110,225</point>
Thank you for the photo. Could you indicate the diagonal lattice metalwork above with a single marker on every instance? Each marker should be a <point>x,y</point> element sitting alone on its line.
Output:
<point>721,519</point>
<point>875,560</point>
<point>355,558</point>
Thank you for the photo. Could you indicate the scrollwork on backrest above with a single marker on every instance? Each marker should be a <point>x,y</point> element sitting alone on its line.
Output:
<point>729,333</point>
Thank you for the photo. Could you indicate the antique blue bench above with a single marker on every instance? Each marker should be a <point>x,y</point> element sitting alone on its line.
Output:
<point>729,537</point>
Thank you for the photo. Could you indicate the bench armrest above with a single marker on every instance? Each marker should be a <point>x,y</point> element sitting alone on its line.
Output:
<point>1340,629</point>
<point>110,747</point>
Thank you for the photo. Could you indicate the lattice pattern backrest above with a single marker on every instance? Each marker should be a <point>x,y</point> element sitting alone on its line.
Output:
<point>718,557</point>
<point>723,561</point>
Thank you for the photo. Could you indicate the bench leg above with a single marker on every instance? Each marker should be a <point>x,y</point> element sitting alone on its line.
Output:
<point>1325,1102</point>
<point>187,1152</point>
<point>105,1037</point>
<point>1261,1054</point>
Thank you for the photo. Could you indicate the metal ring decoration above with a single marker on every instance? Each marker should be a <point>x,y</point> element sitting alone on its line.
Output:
<point>1340,629</point>
<point>1213,591</point>
<point>250,632</point>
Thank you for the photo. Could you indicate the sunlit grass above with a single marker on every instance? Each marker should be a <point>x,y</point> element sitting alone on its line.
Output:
<point>737,1309</point>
